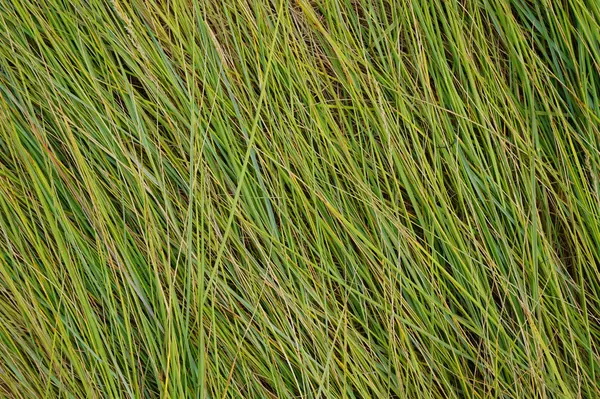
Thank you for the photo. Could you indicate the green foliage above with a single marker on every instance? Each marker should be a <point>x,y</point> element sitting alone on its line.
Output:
<point>299,199</point>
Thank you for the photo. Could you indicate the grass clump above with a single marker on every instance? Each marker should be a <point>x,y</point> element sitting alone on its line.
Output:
<point>299,199</point>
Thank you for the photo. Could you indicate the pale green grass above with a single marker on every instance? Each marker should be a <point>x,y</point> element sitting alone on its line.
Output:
<point>299,199</point>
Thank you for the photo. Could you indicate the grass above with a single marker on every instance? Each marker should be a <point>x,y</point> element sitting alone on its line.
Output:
<point>299,199</point>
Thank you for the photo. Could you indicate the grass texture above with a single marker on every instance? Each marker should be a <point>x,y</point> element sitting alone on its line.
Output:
<point>299,199</point>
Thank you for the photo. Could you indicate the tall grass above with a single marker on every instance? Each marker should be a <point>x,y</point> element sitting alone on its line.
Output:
<point>299,199</point>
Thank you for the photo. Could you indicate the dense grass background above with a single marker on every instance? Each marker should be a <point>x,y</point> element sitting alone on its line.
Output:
<point>299,199</point>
